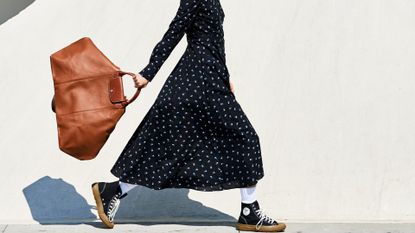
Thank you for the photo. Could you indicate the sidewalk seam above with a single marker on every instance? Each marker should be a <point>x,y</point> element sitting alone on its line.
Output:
<point>4,230</point>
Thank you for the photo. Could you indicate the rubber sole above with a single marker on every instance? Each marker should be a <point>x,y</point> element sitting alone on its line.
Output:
<point>247,227</point>
<point>100,207</point>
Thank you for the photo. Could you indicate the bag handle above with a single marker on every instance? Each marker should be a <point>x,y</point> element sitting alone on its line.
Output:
<point>129,101</point>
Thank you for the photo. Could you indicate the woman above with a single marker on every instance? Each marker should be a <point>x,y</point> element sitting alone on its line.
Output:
<point>195,135</point>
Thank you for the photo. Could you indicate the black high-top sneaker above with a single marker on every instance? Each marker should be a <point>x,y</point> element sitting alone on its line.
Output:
<point>107,197</point>
<point>252,218</point>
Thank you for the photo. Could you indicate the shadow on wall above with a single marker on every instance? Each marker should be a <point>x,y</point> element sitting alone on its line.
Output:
<point>10,8</point>
<point>51,200</point>
<point>54,201</point>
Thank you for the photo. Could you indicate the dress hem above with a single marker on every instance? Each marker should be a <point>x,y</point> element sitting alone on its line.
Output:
<point>210,188</point>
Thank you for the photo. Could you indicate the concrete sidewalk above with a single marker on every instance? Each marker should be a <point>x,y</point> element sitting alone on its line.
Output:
<point>212,228</point>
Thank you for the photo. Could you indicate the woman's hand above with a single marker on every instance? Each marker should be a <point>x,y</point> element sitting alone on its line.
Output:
<point>140,81</point>
<point>232,87</point>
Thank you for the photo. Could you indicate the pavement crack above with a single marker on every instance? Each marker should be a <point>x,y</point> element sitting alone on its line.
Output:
<point>4,230</point>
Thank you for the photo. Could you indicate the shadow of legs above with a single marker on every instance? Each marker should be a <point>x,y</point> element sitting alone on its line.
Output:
<point>54,200</point>
<point>170,205</point>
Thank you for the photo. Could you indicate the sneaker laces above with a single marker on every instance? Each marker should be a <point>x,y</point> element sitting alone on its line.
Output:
<point>113,207</point>
<point>263,217</point>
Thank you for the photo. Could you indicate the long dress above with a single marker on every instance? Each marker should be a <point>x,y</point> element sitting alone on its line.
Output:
<point>195,135</point>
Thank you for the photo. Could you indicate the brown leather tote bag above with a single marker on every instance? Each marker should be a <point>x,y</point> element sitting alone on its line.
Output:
<point>89,98</point>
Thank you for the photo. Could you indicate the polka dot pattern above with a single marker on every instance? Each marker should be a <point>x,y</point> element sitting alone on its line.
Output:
<point>195,135</point>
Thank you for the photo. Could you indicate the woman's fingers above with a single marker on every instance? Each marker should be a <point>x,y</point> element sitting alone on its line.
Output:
<point>136,81</point>
<point>139,81</point>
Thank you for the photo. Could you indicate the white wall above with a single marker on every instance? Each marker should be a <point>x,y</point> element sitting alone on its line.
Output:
<point>329,86</point>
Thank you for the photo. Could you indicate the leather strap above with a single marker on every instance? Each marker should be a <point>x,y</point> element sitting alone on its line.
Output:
<point>129,101</point>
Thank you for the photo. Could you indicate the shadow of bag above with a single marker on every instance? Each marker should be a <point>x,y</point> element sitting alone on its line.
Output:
<point>89,98</point>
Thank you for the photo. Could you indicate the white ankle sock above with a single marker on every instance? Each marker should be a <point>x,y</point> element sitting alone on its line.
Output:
<point>125,187</point>
<point>248,195</point>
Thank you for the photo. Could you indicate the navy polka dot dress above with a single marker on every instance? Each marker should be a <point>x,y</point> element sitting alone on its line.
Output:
<point>196,134</point>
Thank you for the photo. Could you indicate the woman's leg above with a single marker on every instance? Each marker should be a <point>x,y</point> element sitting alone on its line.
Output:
<point>125,187</point>
<point>252,217</point>
<point>107,196</point>
<point>248,194</point>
